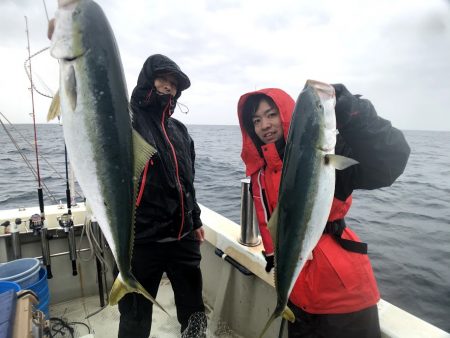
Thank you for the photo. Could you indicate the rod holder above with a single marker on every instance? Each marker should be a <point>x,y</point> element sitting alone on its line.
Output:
<point>45,246</point>
<point>15,238</point>
<point>66,222</point>
<point>39,227</point>
<point>249,223</point>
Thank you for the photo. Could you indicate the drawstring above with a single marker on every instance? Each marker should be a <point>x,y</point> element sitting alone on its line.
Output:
<point>176,167</point>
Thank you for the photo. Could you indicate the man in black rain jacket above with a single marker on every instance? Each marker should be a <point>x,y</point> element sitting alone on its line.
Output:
<point>168,228</point>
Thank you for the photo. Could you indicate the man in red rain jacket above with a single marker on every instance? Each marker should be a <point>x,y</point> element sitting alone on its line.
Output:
<point>336,293</point>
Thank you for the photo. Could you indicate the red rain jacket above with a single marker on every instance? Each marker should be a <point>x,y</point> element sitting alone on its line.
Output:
<point>335,280</point>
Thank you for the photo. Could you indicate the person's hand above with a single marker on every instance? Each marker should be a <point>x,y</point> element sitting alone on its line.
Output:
<point>270,261</point>
<point>344,105</point>
<point>200,234</point>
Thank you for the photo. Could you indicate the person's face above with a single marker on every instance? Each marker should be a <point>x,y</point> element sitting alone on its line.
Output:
<point>267,123</point>
<point>166,84</point>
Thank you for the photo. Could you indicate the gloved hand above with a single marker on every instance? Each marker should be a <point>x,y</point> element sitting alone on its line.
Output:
<point>345,105</point>
<point>269,260</point>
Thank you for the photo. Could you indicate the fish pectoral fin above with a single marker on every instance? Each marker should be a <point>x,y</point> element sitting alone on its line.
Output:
<point>55,108</point>
<point>120,288</point>
<point>288,314</point>
<point>340,162</point>
<point>273,223</point>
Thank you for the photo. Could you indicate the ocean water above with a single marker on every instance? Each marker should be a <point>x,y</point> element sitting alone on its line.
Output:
<point>407,225</point>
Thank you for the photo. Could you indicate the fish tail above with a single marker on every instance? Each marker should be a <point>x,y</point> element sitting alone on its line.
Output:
<point>269,322</point>
<point>288,314</point>
<point>120,288</point>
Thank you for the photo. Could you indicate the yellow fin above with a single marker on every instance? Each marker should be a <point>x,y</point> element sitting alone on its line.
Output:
<point>120,289</point>
<point>288,314</point>
<point>142,152</point>
<point>55,108</point>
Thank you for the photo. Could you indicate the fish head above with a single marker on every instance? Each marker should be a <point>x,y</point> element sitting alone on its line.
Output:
<point>67,37</point>
<point>89,61</point>
<point>68,46</point>
<point>326,101</point>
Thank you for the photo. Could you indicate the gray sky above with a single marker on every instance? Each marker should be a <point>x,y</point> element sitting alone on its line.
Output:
<point>394,52</point>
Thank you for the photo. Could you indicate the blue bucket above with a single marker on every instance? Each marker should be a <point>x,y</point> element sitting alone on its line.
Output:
<point>6,286</point>
<point>40,288</point>
<point>24,271</point>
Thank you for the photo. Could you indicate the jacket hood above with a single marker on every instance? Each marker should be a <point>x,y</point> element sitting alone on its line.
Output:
<point>157,64</point>
<point>250,154</point>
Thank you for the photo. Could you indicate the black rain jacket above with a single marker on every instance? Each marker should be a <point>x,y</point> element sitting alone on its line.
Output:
<point>167,209</point>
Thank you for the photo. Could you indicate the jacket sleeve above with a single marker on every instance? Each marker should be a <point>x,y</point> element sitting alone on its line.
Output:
<point>380,149</point>
<point>260,214</point>
<point>196,212</point>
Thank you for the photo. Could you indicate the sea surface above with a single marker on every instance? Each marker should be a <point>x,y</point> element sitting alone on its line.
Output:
<point>407,225</point>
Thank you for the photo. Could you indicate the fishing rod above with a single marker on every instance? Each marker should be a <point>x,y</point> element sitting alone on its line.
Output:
<point>27,162</point>
<point>25,159</point>
<point>66,221</point>
<point>37,221</point>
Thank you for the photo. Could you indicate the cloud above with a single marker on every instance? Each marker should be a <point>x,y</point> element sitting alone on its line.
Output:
<point>394,52</point>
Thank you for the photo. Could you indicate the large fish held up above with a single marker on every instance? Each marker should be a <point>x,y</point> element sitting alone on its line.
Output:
<point>106,154</point>
<point>306,188</point>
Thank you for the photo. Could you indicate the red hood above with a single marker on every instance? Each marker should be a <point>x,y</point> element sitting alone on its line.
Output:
<point>250,155</point>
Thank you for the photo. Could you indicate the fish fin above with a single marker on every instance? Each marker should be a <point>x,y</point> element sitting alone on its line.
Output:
<point>288,314</point>
<point>269,322</point>
<point>273,223</point>
<point>55,108</point>
<point>120,288</point>
<point>340,162</point>
<point>142,152</point>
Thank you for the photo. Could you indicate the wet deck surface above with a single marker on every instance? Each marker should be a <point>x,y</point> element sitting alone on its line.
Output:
<point>77,314</point>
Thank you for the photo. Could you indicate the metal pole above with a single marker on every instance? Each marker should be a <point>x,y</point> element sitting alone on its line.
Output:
<point>249,226</point>
<point>100,268</point>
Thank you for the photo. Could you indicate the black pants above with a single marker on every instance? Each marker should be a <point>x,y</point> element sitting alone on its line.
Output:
<point>360,324</point>
<point>181,262</point>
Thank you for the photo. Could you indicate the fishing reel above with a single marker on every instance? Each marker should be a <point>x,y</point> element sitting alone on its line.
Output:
<point>65,221</point>
<point>36,223</point>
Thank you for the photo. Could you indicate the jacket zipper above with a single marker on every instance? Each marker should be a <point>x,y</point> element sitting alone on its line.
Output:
<point>176,170</point>
<point>143,183</point>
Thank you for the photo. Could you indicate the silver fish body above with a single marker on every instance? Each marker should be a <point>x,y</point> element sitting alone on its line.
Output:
<point>97,127</point>
<point>306,187</point>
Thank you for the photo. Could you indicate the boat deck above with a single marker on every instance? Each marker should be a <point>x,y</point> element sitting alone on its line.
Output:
<point>85,316</point>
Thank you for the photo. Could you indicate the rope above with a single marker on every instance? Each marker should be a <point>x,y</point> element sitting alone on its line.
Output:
<point>94,246</point>
<point>46,13</point>
<point>29,72</point>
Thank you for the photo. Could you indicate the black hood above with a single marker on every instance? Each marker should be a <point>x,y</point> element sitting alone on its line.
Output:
<point>154,65</point>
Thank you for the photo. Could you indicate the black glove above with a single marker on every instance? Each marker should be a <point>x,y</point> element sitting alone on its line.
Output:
<point>346,104</point>
<point>269,260</point>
